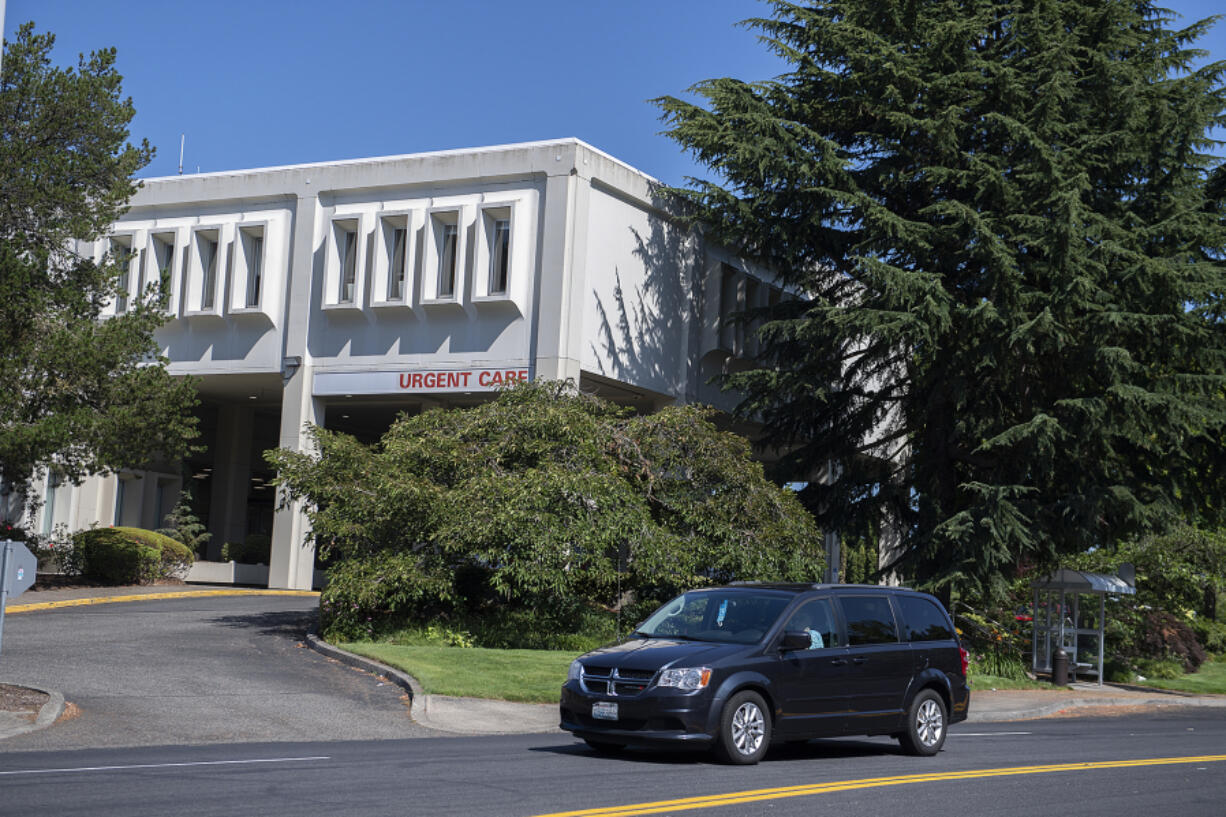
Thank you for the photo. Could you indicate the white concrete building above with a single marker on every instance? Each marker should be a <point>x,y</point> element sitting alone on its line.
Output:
<point>343,293</point>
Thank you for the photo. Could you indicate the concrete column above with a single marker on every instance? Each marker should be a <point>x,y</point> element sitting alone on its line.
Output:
<point>231,477</point>
<point>293,559</point>
<point>557,341</point>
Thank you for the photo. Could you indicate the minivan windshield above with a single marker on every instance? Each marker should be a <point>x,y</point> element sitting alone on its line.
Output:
<point>727,616</point>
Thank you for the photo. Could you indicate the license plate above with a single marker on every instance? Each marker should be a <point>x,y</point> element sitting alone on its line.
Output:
<point>605,710</point>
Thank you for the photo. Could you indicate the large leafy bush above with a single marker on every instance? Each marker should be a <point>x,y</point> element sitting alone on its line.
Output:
<point>543,500</point>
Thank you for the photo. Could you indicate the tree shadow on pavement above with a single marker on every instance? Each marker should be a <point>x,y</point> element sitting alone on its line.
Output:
<point>293,624</point>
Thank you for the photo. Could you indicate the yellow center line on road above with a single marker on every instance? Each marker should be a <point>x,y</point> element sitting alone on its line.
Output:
<point>179,594</point>
<point>756,795</point>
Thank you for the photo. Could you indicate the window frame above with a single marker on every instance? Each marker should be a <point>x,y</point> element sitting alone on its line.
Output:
<point>437,220</point>
<point>153,269</point>
<point>245,233</point>
<point>197,273</point>
<point>334,277</point>
<point>386,225</point>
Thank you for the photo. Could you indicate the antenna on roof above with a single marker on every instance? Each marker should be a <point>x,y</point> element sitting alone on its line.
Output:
<point>182,142</point>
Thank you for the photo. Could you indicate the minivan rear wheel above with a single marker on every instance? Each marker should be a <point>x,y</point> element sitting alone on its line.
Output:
<point>744,729</point>
<point>926,725</point>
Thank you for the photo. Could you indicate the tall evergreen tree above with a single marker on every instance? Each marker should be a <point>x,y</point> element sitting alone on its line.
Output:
<point>83,392</point>
<point>1007,333</point>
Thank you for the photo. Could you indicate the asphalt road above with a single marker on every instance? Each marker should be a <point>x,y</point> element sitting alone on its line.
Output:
<point>525,776</point>
<point>193,671</point>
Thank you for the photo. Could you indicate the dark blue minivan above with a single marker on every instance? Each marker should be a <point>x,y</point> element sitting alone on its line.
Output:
<point>735,668</point>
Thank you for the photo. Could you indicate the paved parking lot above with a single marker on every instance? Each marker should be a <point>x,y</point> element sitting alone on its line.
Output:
<point>193,671</point>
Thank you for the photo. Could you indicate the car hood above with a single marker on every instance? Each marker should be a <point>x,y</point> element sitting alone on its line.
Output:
<point>659,653</point>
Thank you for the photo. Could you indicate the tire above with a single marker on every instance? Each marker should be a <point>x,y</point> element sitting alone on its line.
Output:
<point>744,729</point>
<point>604,747</point>
<point>926,725</point>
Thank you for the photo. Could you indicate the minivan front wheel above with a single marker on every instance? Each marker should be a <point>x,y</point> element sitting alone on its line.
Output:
<point>926,725</point>
<point>744,729</point>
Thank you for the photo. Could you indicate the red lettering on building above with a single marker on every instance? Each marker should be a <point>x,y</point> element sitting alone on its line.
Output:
<point>438,381</point>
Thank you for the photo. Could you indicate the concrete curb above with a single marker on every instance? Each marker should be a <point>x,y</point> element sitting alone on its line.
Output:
<point>1072,704</point>
<point>48,714</point>
<point>401,679</point>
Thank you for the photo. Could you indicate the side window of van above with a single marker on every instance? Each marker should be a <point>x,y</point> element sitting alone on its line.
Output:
<point>816,617</point>
<point>869,620</point>
<point>923,620</point>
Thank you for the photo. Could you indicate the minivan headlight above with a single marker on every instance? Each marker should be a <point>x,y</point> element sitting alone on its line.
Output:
<point>688,678</point>
<point>576,669</point>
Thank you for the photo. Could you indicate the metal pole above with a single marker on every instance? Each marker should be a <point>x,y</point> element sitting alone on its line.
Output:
<point>833,557</point>
<point>1034,634</point>
<point>1102,632</point>
<point>4,578</point>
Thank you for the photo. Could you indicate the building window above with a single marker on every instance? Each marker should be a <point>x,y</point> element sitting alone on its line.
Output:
<point>251,244</point>
<point>448,247</point>
<point>54,481</point>
<point>395,273</point>
<point>121,249</point>
<point>207,248</point>
<point>164,259</point>
<point>348,247</point>
<point>121,492</point>
<point>500,255</point>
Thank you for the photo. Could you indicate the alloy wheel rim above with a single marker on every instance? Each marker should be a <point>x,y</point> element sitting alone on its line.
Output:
<point>748,728</point>
<point>929,724</point>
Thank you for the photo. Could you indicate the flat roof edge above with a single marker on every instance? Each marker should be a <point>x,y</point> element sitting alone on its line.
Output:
<point>370,160</point>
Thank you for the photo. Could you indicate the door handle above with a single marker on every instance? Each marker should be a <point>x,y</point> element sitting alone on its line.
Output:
<point>838,662</point>
<point>858,660</point>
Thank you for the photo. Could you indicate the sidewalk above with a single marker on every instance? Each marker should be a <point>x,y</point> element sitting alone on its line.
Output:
<point>20,710</point>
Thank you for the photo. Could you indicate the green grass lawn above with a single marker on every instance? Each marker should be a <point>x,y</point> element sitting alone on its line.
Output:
<point>1210,679</point>
<point>532,676</point>
<point>981,683</point>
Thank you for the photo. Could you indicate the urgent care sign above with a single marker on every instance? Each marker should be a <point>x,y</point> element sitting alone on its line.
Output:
<point>417,381</point>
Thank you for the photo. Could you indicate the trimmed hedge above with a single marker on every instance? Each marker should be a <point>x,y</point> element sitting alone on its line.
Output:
<point>126,556</point>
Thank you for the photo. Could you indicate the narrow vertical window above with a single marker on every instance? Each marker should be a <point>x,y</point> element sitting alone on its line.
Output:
<point>500,256</point>
<point>164,257</point>
<point>349,265</point>
<point>121,490</point>
<point>255,269</point>
<point>123,256</point>
<point>447,261</point>
<point>395,275</point>
<point>208,264</point>
<point>53,488</point>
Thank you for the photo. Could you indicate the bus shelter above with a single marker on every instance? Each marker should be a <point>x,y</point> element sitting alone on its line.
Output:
<point>1070,611</point>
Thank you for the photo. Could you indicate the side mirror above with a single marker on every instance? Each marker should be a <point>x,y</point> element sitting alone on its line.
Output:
<point>795,640</point>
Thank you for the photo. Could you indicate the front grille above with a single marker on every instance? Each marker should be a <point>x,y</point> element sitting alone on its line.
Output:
<point>615,681</point>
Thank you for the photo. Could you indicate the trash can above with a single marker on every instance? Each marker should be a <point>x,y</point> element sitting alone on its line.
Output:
<point>1059,667</point>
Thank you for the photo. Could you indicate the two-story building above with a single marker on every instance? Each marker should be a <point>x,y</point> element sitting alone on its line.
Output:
<point>343,293</point>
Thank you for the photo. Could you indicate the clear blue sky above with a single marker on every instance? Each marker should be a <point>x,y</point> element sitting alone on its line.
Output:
<point>263,82</point>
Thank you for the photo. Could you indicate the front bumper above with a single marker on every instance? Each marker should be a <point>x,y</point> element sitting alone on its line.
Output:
<point>659,716</point>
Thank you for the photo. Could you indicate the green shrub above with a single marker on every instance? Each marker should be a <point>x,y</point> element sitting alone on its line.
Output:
<point>511,518</point>
<point>256,549</point>
<point>1211,634</point>
<point>1165,668</point>
<point>126,556</point>
<point>367,595</point>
